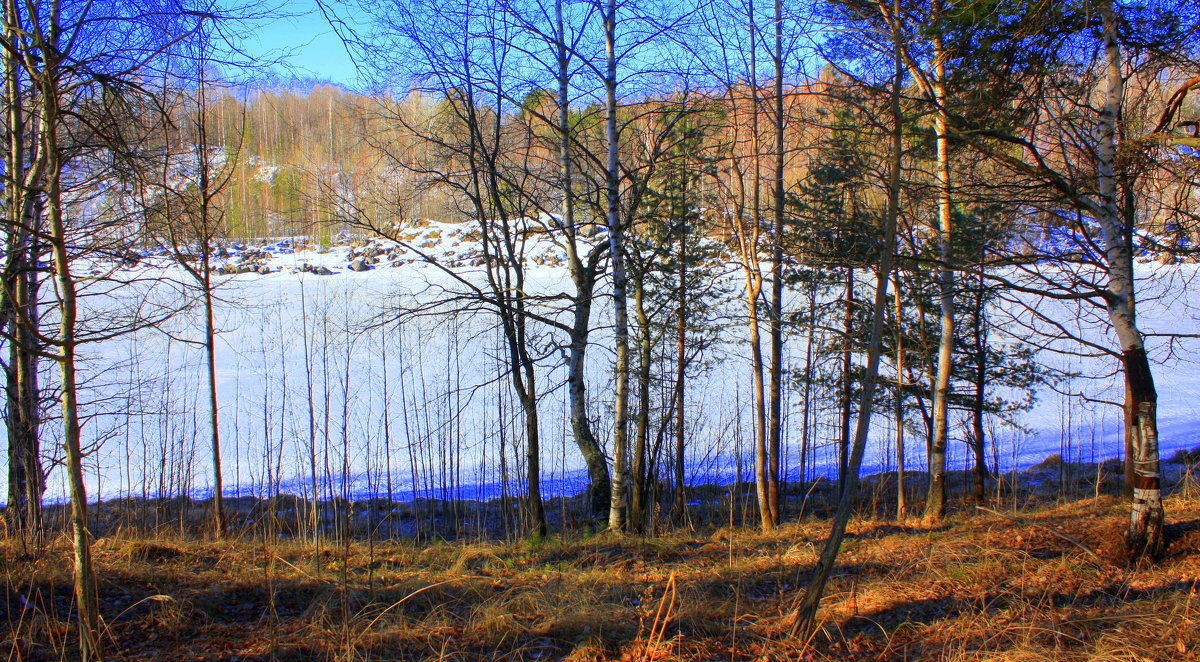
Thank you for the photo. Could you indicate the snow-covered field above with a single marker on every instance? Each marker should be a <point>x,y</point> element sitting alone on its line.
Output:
<point>314,368</point>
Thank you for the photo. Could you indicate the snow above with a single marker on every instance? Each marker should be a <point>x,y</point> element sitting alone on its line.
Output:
<point>439,426</point>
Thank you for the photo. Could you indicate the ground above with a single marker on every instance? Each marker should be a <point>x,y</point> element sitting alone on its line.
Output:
<point>1051,584</point>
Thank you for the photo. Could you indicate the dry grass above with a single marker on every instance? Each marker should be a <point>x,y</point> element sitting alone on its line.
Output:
<point>980,587</point>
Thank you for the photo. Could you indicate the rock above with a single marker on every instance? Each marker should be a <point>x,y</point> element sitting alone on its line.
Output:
<point>359,265</point>
<point>251,255</point>
<point>264,270</point>
<point>322,271</point>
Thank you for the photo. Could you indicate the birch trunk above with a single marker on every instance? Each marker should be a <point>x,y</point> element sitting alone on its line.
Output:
<point>616,242</point>
<point>1145,535</point>
<point>583,275</point>
<point>935,501</point>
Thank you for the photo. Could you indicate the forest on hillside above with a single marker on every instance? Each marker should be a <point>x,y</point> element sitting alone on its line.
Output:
<point>602,275</point>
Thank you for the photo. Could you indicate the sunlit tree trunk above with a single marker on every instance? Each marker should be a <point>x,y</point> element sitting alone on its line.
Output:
<point>935,501</point>
<point>748,240</point>
<point>616,239</point>
<point>1145,535</point>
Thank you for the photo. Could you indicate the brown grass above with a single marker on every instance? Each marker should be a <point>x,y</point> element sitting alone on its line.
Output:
<point>979,587</point>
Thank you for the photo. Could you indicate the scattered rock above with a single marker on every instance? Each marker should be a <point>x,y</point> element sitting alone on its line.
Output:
<point>311,269</point>
<point>358,265</point>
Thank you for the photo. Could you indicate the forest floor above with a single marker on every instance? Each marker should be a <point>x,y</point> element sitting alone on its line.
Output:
<point>1045,584</point>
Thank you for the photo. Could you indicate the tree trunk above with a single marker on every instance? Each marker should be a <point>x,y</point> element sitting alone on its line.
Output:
<point>847,380</point>
<point>806,613</point>
<point>750,263</point>
<point>1130,419</point>
<point>597,467</point>
<point>210,349</point>
<point>901,492</point>
<point>680,375</point>
<point>533,465</point>
<point>87,602</point>
<point>935,501</point>
<point>806,423</point>
<point>616,242</point>
<point>584,277</point>
<point>637,509</point>
<point>978,436</point>
<point>26,480</point>
<point>1145,535</point>
<point>206,231</point>
<point>775,423</point>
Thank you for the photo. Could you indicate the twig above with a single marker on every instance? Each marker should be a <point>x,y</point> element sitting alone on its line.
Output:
<point>807,494</point>
<point>662,616</point>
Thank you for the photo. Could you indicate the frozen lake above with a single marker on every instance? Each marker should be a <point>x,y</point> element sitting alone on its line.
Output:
<point>318,371</point>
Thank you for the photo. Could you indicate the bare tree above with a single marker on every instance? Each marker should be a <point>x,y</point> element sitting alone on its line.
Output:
<point>21,284</point>
<point>807,609</point>
<point>192,221</point>
<point>84,91</point>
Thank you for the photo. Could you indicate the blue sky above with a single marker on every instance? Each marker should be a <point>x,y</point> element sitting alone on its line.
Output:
<point>312,47</point>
